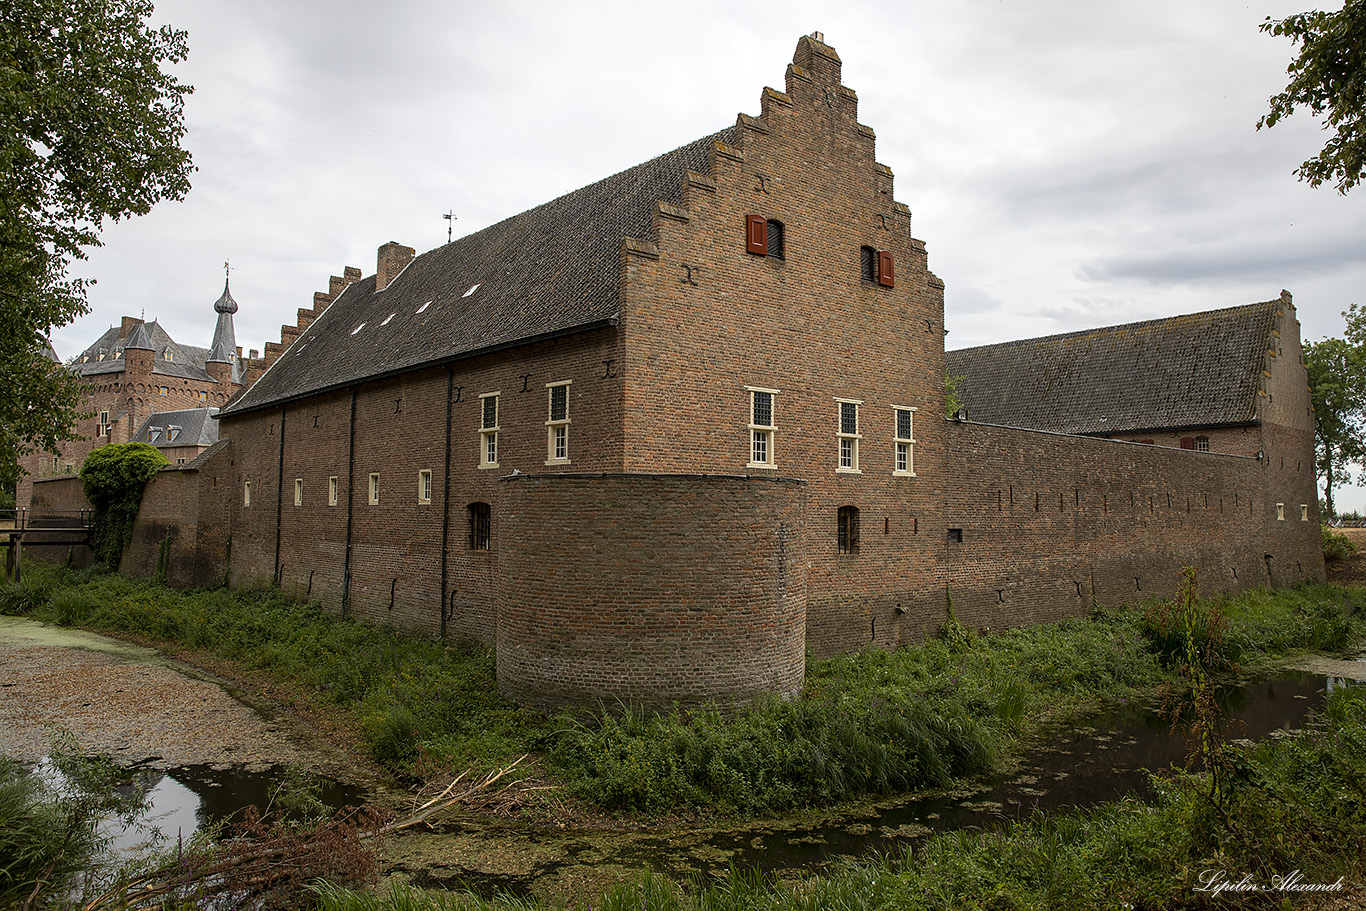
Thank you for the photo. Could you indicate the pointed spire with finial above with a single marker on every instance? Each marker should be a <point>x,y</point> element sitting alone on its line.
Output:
<point>223,350</point>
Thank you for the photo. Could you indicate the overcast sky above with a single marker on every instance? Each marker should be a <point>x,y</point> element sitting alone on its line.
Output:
<point>1069,164</point>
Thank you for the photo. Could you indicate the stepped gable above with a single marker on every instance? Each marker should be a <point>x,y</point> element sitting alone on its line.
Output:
<point>1197,370</point>
<point>550,270</point>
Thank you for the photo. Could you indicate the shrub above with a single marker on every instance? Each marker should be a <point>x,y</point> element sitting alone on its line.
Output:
<point>1337,547</point>
<point>113,478</point>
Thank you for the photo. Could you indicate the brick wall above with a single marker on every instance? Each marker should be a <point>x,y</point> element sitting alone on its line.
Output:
<point>183,527</point>
<point>1051,523</point>
<point>395,559</point>
<point>650,588</point>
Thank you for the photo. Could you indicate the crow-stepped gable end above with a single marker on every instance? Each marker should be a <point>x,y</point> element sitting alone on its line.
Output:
<point>660,438</point>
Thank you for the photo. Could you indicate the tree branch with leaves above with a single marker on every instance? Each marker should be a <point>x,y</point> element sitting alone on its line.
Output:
<point>1328,77</point>
<point>91,122</point>
<point>1337,389</point>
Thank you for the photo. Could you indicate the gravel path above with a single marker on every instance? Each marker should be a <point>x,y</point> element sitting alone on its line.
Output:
<point>134,705</point>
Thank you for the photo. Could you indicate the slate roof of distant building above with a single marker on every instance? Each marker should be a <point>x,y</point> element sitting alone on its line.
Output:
<point>550,270</point>
<point>1196,370</point>
<point>187,427</point>
<point>105,354</point>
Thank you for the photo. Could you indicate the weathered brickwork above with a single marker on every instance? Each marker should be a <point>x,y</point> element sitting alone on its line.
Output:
<point>651,588</point>
<point>391,551</point>
<point>758,465</point>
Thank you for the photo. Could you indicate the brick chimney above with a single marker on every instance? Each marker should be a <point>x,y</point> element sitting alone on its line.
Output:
<point>393,256</point>
<point>127,325</point>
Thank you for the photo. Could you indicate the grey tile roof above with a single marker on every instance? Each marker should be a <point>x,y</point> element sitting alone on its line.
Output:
<point>1197,370</point>
<point>551,269</point>
<point>187,427</point>
<point>186,361</point>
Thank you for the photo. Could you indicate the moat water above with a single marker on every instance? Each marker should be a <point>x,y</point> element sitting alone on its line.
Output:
<point>1106,758</point>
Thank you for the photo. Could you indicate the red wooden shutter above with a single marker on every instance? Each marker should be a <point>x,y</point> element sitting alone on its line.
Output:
<point>756,234</point>
<point>1188,442</point>
<point>886,269</point>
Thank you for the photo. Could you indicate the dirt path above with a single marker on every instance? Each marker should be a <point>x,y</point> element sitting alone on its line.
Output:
<point>137,706</point>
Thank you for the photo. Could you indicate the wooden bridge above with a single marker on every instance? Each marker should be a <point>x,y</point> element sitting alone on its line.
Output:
<point>40,528</point>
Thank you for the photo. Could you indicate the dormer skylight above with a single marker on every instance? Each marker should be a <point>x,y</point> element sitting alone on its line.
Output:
<point>424,306</point>
<point>358,328</point>
<point>473,288</point>
<point>386,319</point>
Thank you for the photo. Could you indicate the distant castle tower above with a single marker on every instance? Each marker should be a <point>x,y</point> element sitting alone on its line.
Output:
<point>223,350</point>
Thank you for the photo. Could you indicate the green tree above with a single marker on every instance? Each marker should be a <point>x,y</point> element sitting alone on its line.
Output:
<point>1337,388</point>
<point>90,131</point>
<point>113,478</point>
<point>1329,78</point>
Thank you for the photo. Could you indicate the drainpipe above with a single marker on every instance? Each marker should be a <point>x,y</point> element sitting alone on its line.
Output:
<point>279,494</point>
<point>446,497</point>
<point>350,505</point>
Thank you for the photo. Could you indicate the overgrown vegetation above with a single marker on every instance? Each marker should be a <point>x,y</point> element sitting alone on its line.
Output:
<point>870,723</point>
<point>48,834</point>
<point>1295,815</point>
<point>113,478</point>
<point>1337,547</point>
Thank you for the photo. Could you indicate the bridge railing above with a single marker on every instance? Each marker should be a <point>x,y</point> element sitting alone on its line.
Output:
<point>43,519</point>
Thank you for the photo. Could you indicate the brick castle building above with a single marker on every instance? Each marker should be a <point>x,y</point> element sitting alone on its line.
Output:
<point>663,436</point>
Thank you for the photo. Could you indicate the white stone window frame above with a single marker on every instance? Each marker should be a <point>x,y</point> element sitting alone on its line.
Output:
<point>246,494</point>
<point>332,490</point>
<point>762,434</point>
<point>298,491</point>
<point>1280,512</point>
<point>488,434</point>
<point>374,488</point>
<point>557,429</point>
<point>1304,512</point>
<point>424,487</point>
<point>902,444</point>
<point>847,444</point>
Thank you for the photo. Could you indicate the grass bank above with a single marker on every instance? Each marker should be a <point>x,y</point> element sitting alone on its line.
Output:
<point>866,724</point>
<point>1290,821</point>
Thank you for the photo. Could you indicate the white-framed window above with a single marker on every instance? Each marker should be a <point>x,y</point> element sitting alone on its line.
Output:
<point>1280,512</point>
<point>904,454</point>
<point>848,435</point>
<point>424,486</point>
<point>1304,512</point>
<point>246,493</point>
<point>374,488</point>
<point>762,426</point>
<point>557,423</point>
<point>332,491</point>
<point>1202,444</point>
<point>298,491</point>
<point>180,461</point>
<point>488,430</point>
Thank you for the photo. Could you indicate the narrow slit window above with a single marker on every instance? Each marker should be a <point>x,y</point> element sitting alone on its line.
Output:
<point>847,530</point>
<point>424,486</point>
<point>374,489</point>
<point>246,491</point>
<point>332,491</point>
<point>481,530</point>
<point>298,491</point>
